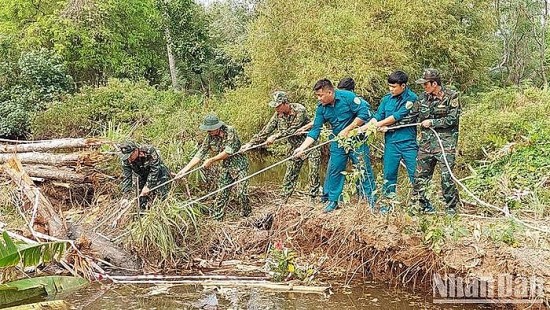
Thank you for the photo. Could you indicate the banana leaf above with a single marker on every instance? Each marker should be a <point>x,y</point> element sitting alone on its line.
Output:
<point>12,253</point>
<point>50,305</point>
<point>42,286</point>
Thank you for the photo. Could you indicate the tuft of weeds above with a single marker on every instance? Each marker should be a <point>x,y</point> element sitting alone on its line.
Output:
<point>166,232</point>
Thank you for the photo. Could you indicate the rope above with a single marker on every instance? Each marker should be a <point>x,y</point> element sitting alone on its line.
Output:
<point>250,176</point>
<point>123,211</point>
<point>239,152</point>
<point>402,126</point>
<point>481,202</point>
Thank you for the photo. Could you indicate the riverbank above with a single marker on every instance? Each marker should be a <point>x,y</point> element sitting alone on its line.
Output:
<point>352,243</point>
<point>397,248</point>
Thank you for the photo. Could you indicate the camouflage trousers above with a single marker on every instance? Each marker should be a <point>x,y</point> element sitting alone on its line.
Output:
<point>425,167</point>
<point>160,192</point>
<point>293,171</point>
<point>222,199</point>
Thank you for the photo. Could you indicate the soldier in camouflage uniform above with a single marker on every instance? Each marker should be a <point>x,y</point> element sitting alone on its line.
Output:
<point>224,142</point>
<point>438,109</point>
<point>146,163</point>
<point>287,119</point>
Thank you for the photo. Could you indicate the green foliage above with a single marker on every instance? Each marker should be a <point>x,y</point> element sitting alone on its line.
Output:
<point>509,129</point>
<point>202,62</point>
<point>493,119</point>
<point>33,287</point>
<point>12,254</point>
<point>29,82</point>
<point>292,44</point>
<point>125,110</point>
<point>506,232</point>
<point>101,39</point>
<point>14,119</point>
<point>522,27</point>
<point>281,262</point>
<point>438,231</point>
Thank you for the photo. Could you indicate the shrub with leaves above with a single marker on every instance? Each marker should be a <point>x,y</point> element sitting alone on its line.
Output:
<point>30,82</point>
<point>281,262</point>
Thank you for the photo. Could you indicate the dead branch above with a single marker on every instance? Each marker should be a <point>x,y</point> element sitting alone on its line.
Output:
<point>19,176</point>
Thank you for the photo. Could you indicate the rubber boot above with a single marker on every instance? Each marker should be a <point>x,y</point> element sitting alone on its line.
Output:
<point>331,206</point>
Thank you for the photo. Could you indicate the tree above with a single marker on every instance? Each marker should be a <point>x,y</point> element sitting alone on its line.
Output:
<point>292,44</point>
<point>522,27</point>
<point>97,39</point>
<point>30,81</point>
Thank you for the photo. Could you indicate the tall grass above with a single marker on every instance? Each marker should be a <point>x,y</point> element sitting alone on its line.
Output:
<point>166,232</point>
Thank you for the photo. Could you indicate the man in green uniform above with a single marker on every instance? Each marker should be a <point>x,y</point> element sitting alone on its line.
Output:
<point>223,141</point>
<point>438,109</point>
<point>146,163</point>
<point>286,120</point>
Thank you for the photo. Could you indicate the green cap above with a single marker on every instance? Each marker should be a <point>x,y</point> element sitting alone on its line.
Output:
<point>126,149</point>
<point>429,75</point>
<point>279,97</point>
<point>211,122</point>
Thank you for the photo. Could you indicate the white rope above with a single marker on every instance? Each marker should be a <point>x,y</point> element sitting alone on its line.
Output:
<point>252,175</point>
<point>481,202</point>
<point>120,213</point>
<point>239,152</point>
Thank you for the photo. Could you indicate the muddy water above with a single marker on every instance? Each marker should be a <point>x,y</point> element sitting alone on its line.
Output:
<point>365,296</point>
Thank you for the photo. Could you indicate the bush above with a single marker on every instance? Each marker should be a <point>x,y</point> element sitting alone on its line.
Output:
<point>493,119</point>
<point>508,129</point>
<point>366,40</point>
<point>32,80</point>
<point>126,110</point>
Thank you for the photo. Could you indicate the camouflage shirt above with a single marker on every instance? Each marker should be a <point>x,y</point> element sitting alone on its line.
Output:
<point>148,166</point>
<point>285,125</point>
<point>445,114</point>
<point>230,143</point>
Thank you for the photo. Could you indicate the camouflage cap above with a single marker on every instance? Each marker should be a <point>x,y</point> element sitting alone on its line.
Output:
<point>279,97</point>
<point>126,149</point>
<point>428,76</point>
<point>211,122</point>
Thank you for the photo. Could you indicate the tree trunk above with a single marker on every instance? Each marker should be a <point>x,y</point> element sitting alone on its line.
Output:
<point>106,250</point>
<point>84,158</point>
<point>171,60</point>
<point>56,227</point>
<point>51,145</point>
<point>59,174</point>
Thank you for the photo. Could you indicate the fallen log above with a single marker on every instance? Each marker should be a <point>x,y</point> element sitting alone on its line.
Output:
<point>83,158</point>
<point>19,176</point>
<point>70,143</point>
<point>105,249</point>
<point>58,174</point>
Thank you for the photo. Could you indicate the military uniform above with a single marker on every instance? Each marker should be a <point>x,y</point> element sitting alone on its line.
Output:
<point>399,143</point>
<point>444,113</point>
<point>347,106</point>
<point>233,168</point>
<point>149,169</point>
<point>287,125</point>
